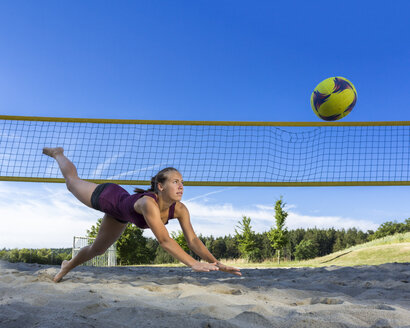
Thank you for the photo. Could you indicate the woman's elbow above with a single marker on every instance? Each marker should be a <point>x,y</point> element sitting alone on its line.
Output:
<point>192,242</point>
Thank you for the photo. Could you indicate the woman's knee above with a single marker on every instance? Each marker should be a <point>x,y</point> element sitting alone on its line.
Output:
<point>81,189</point>
<point>70,183</point>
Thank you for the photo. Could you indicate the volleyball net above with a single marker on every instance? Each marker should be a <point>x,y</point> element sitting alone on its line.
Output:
<point>209,153</point>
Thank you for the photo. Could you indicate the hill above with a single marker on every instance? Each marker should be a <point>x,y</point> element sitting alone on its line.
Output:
<point>389,249</point>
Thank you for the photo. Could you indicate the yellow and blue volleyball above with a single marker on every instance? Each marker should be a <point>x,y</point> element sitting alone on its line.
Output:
<point>333,98</point>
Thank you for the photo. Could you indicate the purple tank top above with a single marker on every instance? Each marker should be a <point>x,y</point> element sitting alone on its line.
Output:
<point>116,201</point>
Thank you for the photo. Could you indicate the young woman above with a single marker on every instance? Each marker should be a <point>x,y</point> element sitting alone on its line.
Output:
<point>147,209</point>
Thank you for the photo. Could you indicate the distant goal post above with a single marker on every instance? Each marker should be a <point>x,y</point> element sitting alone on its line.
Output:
<point>209,153</point>
<point>109,258</point>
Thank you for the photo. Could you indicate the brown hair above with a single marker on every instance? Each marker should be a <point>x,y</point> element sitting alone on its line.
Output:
<point>160,177</point>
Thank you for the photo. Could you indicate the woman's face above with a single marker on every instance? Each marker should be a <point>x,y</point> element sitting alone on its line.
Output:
<point>174,186</point>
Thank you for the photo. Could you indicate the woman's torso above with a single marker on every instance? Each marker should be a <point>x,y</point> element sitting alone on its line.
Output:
<point>116,201</point>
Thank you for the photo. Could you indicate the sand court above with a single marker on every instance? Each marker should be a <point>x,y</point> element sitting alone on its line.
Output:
<point>364,296</point>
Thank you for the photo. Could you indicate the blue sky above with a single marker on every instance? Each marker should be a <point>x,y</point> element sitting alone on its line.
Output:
<point>201,60</point>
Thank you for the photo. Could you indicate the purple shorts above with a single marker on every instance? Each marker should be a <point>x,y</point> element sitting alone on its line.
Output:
<point>114,200</point>
<point>107,201</point>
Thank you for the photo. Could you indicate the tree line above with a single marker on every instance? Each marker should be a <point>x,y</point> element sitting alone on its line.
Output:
<point>277,243</point>
<point>41,256</point>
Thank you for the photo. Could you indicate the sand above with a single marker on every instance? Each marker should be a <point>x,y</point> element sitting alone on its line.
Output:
<point>364,296</point>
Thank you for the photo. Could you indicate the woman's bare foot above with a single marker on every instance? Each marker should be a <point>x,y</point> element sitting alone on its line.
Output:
<point>63,271</point>
<point>53,152</point>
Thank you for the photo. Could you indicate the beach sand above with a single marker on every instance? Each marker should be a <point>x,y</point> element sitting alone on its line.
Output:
<point>364,296</point>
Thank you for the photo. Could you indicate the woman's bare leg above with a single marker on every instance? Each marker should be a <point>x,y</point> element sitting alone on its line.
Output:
<point>110,230</point>
<point>81,189</point>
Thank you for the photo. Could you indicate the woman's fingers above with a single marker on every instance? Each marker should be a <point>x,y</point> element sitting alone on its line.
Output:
<point>228,269</point>
<point>212,266</point>
<point>204,267</point>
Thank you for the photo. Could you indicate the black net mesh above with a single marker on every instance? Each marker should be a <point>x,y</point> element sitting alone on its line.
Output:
<point>220,154</point>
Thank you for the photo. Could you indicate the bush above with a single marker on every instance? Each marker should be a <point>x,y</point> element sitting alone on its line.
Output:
<point>390,228</point>
<point>162,257</point>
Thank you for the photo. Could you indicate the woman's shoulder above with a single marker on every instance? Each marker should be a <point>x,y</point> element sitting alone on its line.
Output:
<point>145,199</point>
<point>180,209</point>
<point>146,195</point>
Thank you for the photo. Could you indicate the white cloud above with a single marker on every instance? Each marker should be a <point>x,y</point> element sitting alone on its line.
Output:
<point>222,219</point>
<point>204,196</point>
<point>265,207</point>
<point>103,166</point>
<point>296,220</point>
<point>118,176</point>
<point>48,215</point>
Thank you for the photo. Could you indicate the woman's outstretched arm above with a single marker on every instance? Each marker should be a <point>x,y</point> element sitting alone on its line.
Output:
<point>196,245</point>
<point>152,216</point>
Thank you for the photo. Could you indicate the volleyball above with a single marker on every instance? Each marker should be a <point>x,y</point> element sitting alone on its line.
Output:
<point>333,98</point>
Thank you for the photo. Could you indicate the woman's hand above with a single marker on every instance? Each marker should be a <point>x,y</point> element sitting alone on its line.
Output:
<point>228,269</point>
<point>204,267</point>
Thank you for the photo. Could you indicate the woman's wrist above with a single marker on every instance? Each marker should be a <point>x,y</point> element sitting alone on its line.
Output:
<point>191,264</point>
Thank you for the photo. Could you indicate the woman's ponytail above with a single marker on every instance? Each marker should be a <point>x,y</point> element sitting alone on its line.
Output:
<point>151,189</point>
<point>153,184</point>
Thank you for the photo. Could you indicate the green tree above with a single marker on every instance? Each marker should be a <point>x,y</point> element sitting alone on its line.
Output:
<point>295,237</point>
<point>4,254</point>
<point>92,233</point>
<point>25,255</point>
<point>247,239</point>
<point>209,242</point>
<point>180,239</point>
<point>132,247</point>
<point>232,249</point>
<point>219,248</point>
<point>14,255</point>
<point>152,245</point>
<point>338,245</point>
<point>307,249</point>
<point>279,236</point>
<point>321,239</point>
<point>162,256</point>
<point>267,252</point>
